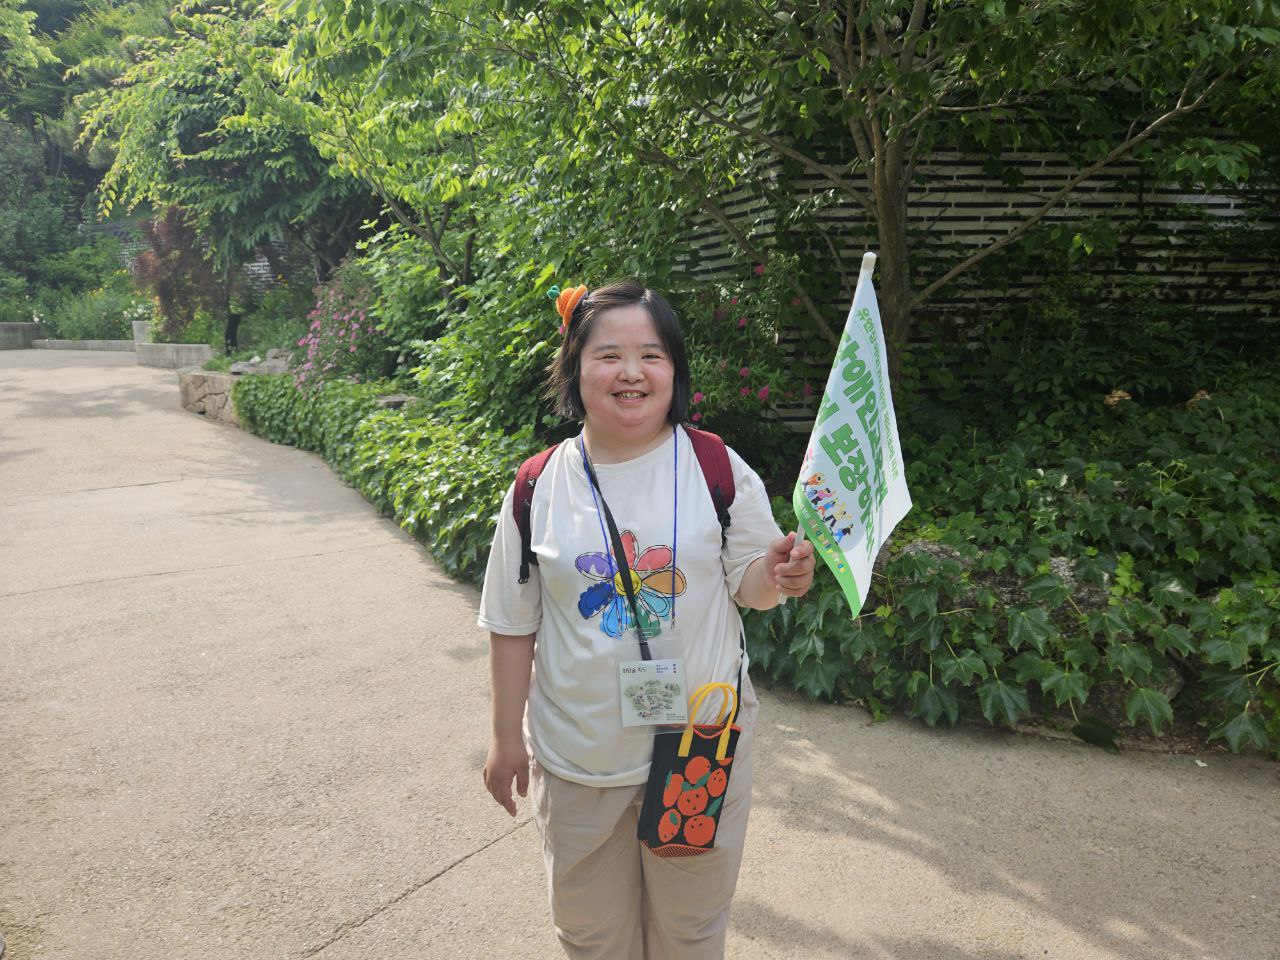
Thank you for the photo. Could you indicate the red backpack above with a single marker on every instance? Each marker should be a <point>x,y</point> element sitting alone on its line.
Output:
<point>712,457</point>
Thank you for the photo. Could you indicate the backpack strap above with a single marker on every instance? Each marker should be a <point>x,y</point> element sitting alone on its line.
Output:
<point>522,503</point>
<point>713,457</point>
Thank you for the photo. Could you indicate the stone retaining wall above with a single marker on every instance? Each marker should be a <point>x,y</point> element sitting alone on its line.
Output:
<point>17,336</point>
<point>208,393</point>
<point>173,356</point>
<point>118,346</point>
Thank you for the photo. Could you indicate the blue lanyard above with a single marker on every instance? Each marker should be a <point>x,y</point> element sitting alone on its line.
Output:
<point>675,513</point>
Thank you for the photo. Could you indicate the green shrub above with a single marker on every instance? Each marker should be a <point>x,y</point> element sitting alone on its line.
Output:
<point>105,312</point>
<point>343,340</point>
<point>442,482</point>
<point>1066,541</point>
<point>278,319</point>
<point>488,365</point>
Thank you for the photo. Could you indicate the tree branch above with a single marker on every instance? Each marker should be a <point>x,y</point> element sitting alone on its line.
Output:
<point>913,31</point>
<point>1181,108</point>
<point>804,159</point>
<point>716,213</point>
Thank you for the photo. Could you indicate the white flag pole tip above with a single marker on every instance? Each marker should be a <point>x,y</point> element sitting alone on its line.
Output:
<point>868,262</point>
<point>782,597</point>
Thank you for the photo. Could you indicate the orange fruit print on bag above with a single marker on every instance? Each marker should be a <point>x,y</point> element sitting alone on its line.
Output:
<point>693,802</point>
<point>699,830</point>
<point>696,769</point>
<point>717,782</point>
<point>675,783</point>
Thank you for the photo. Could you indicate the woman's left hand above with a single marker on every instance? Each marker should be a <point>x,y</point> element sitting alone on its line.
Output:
<point>790,565</point>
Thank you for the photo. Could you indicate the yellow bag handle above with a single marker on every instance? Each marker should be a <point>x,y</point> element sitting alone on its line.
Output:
<point>726,714</point>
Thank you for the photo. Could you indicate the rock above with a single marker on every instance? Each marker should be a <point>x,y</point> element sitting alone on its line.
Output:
<point>394,401</point>
<point>260,366</point>
<point>1107,698</point>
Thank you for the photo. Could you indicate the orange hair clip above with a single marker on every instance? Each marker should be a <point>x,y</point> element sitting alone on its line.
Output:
<point>566,300</point>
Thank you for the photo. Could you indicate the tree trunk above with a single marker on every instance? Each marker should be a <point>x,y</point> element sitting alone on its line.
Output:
<point>894,288</point>
<point>231,338</point>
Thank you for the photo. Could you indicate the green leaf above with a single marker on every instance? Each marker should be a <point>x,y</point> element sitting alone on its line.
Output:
<point>963,667</point>
<point>1003,701</point>
<point>806,645</point>
<point>1232,650</point>
<point>816,677</point>
<point>934,703</point>
<point>1173,635</point>
<point>1065,685</point>
<point>1031,625</point>
<point>921,601</point>
<point>1234,688</point>
<point>1131,659</point>
<point>1047,588</point>
<point>1172,594</point>
<point>1098,732</point>
<point>1110,621</point>
<point>1151,705</point>
<point>1028,665</point>
<point>1243,728</point>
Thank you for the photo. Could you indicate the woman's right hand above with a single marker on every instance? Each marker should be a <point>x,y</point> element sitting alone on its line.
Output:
<point>507,759</point>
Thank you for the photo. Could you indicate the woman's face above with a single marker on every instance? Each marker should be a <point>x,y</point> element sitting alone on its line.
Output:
<point>626,374</point>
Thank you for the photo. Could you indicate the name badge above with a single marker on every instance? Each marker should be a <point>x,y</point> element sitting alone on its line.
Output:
<point>653,691</point>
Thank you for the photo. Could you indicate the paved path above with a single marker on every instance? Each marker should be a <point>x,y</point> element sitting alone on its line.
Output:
<point>241,715</point>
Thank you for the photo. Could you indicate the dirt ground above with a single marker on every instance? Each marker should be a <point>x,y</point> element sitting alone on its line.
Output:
<point>243,715</point>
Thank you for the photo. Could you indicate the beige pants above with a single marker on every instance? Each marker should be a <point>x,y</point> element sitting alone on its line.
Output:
<point>611,899</point>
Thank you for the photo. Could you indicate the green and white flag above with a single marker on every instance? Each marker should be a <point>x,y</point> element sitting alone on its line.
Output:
<point>852,488</point>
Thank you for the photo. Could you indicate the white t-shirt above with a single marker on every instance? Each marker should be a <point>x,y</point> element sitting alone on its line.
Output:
<point>573,717</point>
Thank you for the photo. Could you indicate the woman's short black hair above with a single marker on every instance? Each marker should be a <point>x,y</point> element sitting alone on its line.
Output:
<point>565,370</point>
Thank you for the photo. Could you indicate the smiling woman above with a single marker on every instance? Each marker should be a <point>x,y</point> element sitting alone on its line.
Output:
<point>583,619</point>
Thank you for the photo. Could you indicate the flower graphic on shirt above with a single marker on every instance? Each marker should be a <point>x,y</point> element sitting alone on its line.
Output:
<point>653,577</point>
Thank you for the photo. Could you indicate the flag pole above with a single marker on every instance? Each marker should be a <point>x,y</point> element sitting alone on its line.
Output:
<point>868,265</point>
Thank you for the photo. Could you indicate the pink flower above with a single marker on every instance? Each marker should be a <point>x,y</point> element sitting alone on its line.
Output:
<point>759,269</point>
<point>795,301</point>
<point>734,301</point>
<point>302,342</point>
<point>315,325</point>
<point>361,316</point>
<point>745,391</point>
<point>697,397</point>
<point>742,322</point>
<point>808,390</point>
<point>351,349</point>
<point>307,365</point>
<point>763,393</point>
<point>744,372</point>
<point>697,417</point>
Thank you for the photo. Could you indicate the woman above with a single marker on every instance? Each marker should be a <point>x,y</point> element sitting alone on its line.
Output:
<point>557,641</point>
